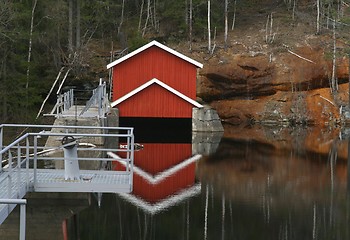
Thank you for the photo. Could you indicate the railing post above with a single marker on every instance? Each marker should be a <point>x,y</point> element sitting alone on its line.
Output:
<point>35,159</point>
<point>22,225</point>
<point>72,98</point>
<point>99,100</point>
<point>18,165</point>
<point>10,160</point>
<point>132,160</point>
<point>22,218</point>
<point>27,162</point>
<point>18,156</point>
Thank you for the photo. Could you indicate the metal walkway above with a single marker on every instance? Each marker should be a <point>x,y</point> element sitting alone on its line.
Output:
<point>25,159</point>
<point>69,104</point>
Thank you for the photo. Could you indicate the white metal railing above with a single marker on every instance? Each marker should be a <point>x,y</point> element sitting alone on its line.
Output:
<point>99,99</point>
<point>21,156</point>
<point>22,219</point>
<point>63,103</point>
<point>28,149</point>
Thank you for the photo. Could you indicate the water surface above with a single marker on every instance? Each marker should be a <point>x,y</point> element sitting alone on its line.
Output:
<point>255,183</point>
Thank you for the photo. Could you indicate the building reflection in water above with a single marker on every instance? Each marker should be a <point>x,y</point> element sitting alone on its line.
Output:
<point>165,173</point>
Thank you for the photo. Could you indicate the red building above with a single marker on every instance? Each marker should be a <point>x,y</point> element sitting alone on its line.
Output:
<point>154,81</point>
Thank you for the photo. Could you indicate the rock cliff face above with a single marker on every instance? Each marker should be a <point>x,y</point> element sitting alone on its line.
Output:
<point>288,86</point>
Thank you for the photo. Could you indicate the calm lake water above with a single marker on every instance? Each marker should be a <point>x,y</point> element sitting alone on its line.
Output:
<point>250,183</point>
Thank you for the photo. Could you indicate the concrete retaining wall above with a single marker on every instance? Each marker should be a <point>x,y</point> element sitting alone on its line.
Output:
<point>206,119</point>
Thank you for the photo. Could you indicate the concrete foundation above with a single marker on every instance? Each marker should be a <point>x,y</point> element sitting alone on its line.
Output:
<point>206,119</point>
<point>111,120</point>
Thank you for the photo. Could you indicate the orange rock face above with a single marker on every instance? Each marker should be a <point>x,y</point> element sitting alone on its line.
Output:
<point>290,87</point>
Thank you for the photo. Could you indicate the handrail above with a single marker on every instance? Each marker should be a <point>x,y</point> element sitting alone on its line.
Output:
<point>22,219</point>
<point>32,153</point>
<point>66,100</point>
<point>25,148</point>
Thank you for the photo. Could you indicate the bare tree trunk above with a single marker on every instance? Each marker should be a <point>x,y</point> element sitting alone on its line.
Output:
<point>318,17</point>
<point>190,23</point>
<point>147,18</point>
<point>29,55</point>
<point>77,33</point>
<point>186,12</point>
<point>121,17</point>
<point>226,23</point>
<point>234,15</point>
<point>141,13</point>
<point>70,25</point>
<point>294,6</point>
<point>209,33</point>
<point>30,41</point>
<point>155,21</point>
<point>334,80</point>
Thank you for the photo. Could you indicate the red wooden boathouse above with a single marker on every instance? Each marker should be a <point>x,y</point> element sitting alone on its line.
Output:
<point>154,81</point>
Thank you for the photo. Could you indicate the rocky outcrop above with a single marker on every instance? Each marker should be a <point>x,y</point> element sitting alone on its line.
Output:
<point>279,87</point>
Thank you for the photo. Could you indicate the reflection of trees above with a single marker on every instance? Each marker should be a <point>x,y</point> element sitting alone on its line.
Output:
<point>301,194</point>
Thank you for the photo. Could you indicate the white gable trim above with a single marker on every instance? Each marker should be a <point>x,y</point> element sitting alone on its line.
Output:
<point>147,84</point>
<point>160,176</point>
<point>165,203</point>
<point>155,43</point>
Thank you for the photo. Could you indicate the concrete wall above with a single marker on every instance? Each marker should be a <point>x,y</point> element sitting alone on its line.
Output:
<point>206,119</point>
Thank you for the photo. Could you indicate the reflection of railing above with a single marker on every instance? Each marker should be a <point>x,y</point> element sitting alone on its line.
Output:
<point>22,219</point>
<point>24,160</point>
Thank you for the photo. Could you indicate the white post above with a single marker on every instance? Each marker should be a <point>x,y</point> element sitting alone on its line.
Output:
<point>22,225</point>
<point>71,165</point>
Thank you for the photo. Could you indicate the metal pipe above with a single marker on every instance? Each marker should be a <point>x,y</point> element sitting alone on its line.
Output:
<point>64,127</point>
<point>27,162</point>
<point>22,225</point>
<point>35,160</point>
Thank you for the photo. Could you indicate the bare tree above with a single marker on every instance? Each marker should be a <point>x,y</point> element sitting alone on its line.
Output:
<point>147,18</point>
<point>270,34</point>
<point>209,30</point>
<point>234,15</point>
<point>77,33</point>
<point>121,17</point>
<point>141,13</point>
<point>30,53</point>
<point>190,23</point>
<point>70,25</point>
<point>226,23</point>
<point>334,81</point>
<point>318,17</point>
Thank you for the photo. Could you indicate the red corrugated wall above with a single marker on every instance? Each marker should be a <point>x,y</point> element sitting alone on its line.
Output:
<point>158,157</point>
<point>153,193</point>
<point>154,62</point>
<point>155,101</point>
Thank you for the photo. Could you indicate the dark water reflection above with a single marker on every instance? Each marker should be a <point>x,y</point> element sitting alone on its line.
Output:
<point>259,184</point>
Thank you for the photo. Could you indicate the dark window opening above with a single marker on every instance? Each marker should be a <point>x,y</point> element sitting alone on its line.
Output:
<point>162,130</point>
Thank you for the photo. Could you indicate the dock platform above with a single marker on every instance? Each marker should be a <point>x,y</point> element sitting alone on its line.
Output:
<point>23,169</point>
